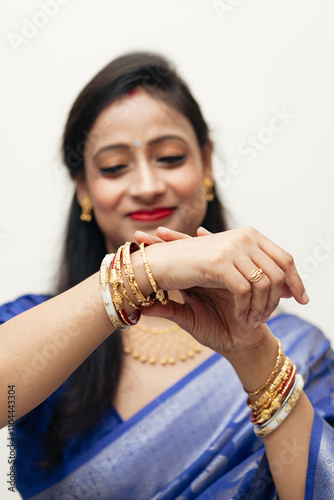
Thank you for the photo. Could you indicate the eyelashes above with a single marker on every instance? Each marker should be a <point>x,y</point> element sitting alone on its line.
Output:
<point>168,160</point>
<point>112,170</point>
<point>172,159</point>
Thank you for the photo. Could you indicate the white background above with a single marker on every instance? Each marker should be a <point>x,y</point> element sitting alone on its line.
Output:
<point>242,59</point>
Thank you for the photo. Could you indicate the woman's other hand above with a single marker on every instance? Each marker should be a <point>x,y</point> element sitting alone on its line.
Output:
<point>233,305</point>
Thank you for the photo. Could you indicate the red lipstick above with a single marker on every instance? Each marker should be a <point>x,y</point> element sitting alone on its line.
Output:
<point>151,215</point>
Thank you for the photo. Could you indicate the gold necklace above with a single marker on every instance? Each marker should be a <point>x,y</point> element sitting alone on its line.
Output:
<point>167,345</point>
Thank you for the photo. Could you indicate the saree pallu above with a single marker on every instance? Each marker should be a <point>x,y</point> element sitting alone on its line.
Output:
<point>193,441</point>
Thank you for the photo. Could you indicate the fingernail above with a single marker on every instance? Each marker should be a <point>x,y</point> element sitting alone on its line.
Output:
<point>255,324</point>
<point>305,297</point>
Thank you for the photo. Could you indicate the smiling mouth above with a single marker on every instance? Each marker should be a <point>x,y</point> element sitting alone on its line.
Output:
<point>151,215</point>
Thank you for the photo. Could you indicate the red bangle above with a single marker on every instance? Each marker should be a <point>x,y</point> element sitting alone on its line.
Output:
<point>122,314</point>
<point>284,389</point>
<point>288,384</point>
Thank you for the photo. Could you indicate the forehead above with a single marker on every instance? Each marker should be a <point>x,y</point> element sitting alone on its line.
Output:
<point>142,117</point>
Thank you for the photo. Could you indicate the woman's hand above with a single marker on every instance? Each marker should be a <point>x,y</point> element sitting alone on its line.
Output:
<point>228,261</point>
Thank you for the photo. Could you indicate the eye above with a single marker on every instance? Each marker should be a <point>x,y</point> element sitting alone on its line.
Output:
<point>172,160</point>
<point>112,170</point>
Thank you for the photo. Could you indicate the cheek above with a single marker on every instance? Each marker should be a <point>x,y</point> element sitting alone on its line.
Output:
<point>188,182</point>
<point>190,188</point>
<point>105,194</point>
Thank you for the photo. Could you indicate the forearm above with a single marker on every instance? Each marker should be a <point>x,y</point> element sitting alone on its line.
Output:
<point>41,347</point>
<point>287,447</point>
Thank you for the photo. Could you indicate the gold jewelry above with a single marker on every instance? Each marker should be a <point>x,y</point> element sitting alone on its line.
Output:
<point>275,396</point>
<point>266,398</point>
<point>117,277</point>
<point>273,373</point>
<point>256,275</point>
<point>86,209</point>
<point>166,345</point>
<point>275,403</point>
<point>117,298</point>
<point>105,291</point>
<point>143,302</point>
<point>208,184</point>
<point>164,299</point>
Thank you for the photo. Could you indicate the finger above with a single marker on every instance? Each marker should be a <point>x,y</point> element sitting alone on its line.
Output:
<point>260,290</point>
<point>274,280</point>
<point>259,301</point>
<point>176,312</point>
<point>149,239</point>
<point>285,261</point>
<point>170,235</point>
<point>201,231</point>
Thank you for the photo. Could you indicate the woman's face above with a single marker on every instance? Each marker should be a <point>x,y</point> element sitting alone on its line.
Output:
<point>143,168</point>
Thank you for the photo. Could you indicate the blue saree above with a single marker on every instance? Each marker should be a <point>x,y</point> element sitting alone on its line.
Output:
<point>194,441</point>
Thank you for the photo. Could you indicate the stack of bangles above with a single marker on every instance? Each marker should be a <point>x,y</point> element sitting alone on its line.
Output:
<point>111,274</point>
<point>282,389</point>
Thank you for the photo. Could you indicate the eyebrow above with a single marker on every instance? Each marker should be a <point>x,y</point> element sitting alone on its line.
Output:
<point>151,143</point>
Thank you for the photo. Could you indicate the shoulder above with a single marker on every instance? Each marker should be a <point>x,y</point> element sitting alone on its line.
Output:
<point>21,304</point>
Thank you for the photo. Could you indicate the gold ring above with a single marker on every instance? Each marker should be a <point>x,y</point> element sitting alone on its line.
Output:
<point>256,275</point>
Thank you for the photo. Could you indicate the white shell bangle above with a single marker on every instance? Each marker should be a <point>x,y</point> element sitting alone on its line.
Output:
<point>106,295</point>
<point>291,399</point>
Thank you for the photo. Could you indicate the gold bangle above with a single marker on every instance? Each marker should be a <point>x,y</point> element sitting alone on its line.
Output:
<point>265,414</point>
<point>281,377</point>
<point>117,297</point>
<point>118,276</point>
<point>273,390</point>
<point>144,302</point>
<point>271,376</point>
<point>163,299</point>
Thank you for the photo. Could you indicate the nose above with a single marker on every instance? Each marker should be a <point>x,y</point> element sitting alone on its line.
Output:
<point>147,183</point>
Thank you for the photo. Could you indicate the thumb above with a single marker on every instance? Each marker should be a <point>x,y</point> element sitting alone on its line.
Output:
<point>180,314</point>
<point>142,237</point>
<point>170,235</point>
<point>201,231</point>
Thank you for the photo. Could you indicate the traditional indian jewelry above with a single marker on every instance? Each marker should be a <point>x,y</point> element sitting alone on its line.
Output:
<point>86,209</point>
<point>256,275</point>
<point>264,414</point>
<point>143,301</point>
<point>116,276</point>
<point>117,297</point>
<point>137,143</point>
<point>166,345</point>
<point>279,417</point>
<point>209,192</point>
<point>273,373</point>
<point>105,291</point>
<point>164,299</point>
<point>276,387</point>
<point>270,401</point>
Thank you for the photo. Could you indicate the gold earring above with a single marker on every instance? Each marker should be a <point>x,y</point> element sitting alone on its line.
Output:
<point>208,184</point>
<point>86,207</point>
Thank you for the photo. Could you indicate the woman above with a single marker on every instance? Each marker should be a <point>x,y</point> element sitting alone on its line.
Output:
<point>157,410</point>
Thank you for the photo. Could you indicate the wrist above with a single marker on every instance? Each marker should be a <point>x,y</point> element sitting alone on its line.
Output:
<point>254,364</point>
